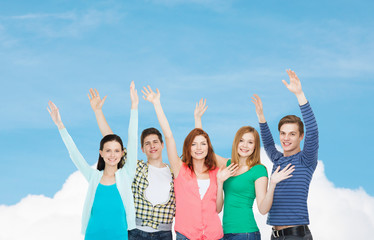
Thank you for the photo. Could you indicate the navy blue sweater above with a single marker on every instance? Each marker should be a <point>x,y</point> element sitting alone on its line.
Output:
<point>290,195</point>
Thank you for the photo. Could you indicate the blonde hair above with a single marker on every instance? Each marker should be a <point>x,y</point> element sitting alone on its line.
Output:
<point>254,158</point>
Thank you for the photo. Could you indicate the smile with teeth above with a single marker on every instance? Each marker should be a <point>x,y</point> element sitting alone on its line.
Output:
<point>286,143</point>
<point>244,150</point>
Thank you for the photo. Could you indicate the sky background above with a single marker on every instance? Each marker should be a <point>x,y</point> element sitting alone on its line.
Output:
<point>224,51</point>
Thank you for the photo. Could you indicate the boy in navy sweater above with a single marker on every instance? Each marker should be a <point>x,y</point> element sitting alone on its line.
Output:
<point>289,213</point>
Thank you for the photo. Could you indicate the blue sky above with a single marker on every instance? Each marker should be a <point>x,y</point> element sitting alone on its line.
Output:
<point>221,50</point>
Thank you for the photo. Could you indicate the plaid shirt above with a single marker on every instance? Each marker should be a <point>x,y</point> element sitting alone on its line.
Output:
<point>150,215</point>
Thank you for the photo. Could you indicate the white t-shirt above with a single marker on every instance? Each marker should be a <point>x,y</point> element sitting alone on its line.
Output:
<point>158,189</point>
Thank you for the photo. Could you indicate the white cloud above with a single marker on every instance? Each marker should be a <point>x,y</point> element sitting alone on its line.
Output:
<point>335,213</point>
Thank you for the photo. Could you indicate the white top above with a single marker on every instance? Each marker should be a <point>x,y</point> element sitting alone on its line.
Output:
<point>203,186</point>
<point>158,189</point>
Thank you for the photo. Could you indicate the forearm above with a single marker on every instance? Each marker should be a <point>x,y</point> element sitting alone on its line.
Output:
<point>165,127</point>
<point>102,123</point>
<point>132,144</point>
<point>74,153</point>
<point>219,200</point>
<point>198,123</point>
<point>264,206</point>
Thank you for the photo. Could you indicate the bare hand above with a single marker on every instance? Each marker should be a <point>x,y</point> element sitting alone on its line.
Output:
<point>95,100</point>
<point>259,109</point>
<point>295,85</point>
<point>134,96</point>
<point>55,115</point>
<point>200,108</point>
<point>151,96</point>
<point>225,172</point>
<point>285,173</point>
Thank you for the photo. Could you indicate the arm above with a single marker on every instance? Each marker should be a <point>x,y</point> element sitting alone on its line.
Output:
<point>132,141</point>
<point>222,175</point>
<point>267,138</point>
<point>310,151</point>
<point>200,109</point>
<point>171,148</point>
<point>264,197</point>
<point>96,105</point>
<point>74,153</point>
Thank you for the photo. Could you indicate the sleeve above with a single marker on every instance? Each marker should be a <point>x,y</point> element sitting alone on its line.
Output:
<point>259,171</point>
<point>311,143</point>
<point>268,141</point>
<point>75,155</point>
<point>132,144</point>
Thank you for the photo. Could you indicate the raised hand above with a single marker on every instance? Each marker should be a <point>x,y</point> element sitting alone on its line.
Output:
<point>55,115</point>
<point>225,172</point>
<point>295,85</point>
<point>285,173</point>
<point>151,96</point>
<point>259,109</point>
<point>134,96</point>
<point>200,108</point>
<point>95,100</point>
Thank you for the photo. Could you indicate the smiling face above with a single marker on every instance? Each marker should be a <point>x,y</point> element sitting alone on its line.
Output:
<point>112,153</point>
<point>152,147</point>
<point>199,148</point>
<point>246,146</point>
<point>290,138</point>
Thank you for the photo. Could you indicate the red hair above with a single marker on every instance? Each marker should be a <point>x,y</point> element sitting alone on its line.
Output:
<point>210,159</point>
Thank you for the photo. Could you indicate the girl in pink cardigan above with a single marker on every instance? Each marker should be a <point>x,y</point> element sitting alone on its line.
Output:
<point>195,180</point>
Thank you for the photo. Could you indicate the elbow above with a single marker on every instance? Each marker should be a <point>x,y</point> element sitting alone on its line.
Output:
<point>263,212</point>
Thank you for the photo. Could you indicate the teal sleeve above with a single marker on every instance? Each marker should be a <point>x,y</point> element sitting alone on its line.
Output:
<point>132,144</point>
<point>75,155</point>
<point>259,171</point>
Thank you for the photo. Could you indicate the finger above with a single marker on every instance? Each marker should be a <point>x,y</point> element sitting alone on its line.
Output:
<point>92,92</point>
<point>277,169</point>
<point>97,93</point>
<point>132,85</point>
<point>89,96</point>
<point>102,101</point>
<point>158,92</point>
<point>150,89</point>
<point>145,90</point>
<point>144,94</point>
<point>48,110</point>
<point>144,97</point>
<point>285,83</point>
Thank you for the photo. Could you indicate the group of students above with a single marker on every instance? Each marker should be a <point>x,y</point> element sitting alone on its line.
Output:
<point>132,199</point>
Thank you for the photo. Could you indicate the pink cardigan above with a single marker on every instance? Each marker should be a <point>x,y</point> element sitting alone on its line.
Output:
<point>196,218</point>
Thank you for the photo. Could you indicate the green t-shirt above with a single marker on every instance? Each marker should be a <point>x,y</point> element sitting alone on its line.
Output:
<point>240,194</point>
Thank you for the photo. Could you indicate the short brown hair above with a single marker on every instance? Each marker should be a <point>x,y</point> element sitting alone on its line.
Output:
<point>210,159</point>
<point>149,131</point>
<point>254,158</point>
<point>292,119</point>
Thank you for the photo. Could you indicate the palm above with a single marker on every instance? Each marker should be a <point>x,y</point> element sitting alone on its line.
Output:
<point>258,104</point>
<point>133,94</point>
<point>54,112</point>
<point>95,101</point>
<point>295,85</point>
<point>200,108</point>
<point>149,95</point>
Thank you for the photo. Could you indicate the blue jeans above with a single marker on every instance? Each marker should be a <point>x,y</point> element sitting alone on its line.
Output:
<point>137,234</point>
<point>182,237</point>
<point>243,236</point>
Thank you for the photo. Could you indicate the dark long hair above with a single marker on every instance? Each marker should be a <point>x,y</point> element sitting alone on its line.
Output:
<point>109,138</point>
<point>210,159</point>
